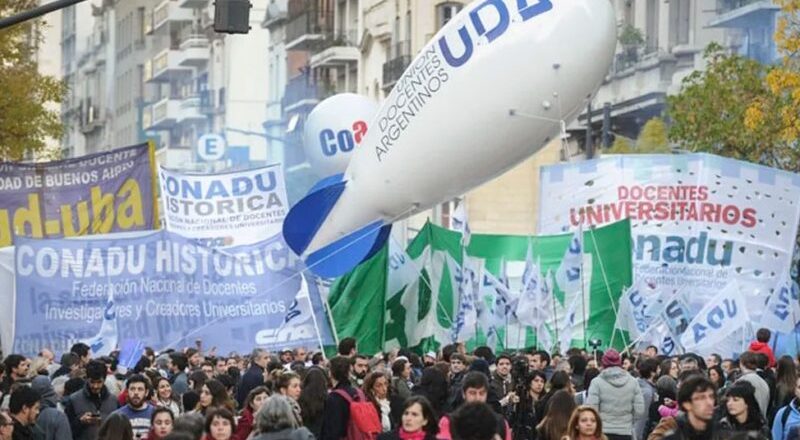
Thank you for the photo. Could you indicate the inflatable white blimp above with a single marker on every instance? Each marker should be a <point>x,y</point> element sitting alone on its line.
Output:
<point>454,120</point>
<point>334,129</point>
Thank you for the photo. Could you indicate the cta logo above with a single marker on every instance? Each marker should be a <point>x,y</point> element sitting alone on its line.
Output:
<point>343,141</point>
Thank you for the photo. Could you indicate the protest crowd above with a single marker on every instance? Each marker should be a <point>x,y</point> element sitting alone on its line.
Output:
<point>450,395</point>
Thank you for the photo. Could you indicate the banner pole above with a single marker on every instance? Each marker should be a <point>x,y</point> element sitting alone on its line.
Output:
<point>583,292</point>
<point>303,279</point>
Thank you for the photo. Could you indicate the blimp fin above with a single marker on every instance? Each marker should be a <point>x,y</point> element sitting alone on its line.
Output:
<point>343,255</point>
<point>306,217</point>
<point>326,182</point>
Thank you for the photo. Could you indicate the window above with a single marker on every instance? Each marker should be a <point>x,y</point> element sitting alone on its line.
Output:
<point>408,26</point>
<point>445,12</point>
<point>652,25</point>
<point>679,21</point>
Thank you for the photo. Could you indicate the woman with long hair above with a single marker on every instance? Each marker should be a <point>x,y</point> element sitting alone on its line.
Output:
<point>742,414</point>
<point>376,388</point>
<point>418,422</point>
<point>433,386</point>
<point>254,401</point>
<point>220,424</point>
<point>163,396</point>
<point>312,399</point>
<point>115,427</point>
<point>784,384</point>
<point>161,423</point>
<point>213,395</point>
<point>556,420</point>
<point>190,398</point>
<point>585,424</point>
<point>717,377</point>
<point>560,380</point>
<point>288,384</point>
<point>526,414</point>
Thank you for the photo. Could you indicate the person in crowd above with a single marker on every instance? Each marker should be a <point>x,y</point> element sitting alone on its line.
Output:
<point>163,396</point>
<point>670,368</point>
<point>255,400</point>
<point>83,351</point>
<point>741,413</point>
<point>555,422</point>
<point>501,381</point>
<point>191,425</point>
<point>748,362</point>
<point>289,385</point>
<point>473,421</point>
<point>347,347</point>
<point>51,421</point>
<point>648,370</point>
<point>38,367</point>
<point>336,414</point>
<point>208,368</point>
<point>16,369</point>
<point>578,363</point>
<point>785,383</point>
<point>116,427</point>
<point>418,422</point>
<point>588,377</point>
<point>360,370</point>
<point>475,389</point>
<point>195,359</point>
<point>6,426</point>
<point>717,377</point>
<point>312,399</point>
<point>161,423</point>
<point>70,362</point>
<point>254,376</point>
<point>713,360</point>
<point>696,398</point>
<point>617,397</point>
<point>433,386</point>
<point>665,407</point>
<point>213,396</point>
<point>220,366</point>
<point>761,345</point>
<point>401,376</point>
<point>190,398</point>
<point>276,421</point>
<point>559,380</point>
<point>177,369</point>
<point>585,424</point>
<point>376,388</point>
<point>24,407</point>
<point>787,417</point>
<point>458,369</point>
<point>90,406</point>
<point>220,424</point>
<point>527,412</point>
<point>138,410</point>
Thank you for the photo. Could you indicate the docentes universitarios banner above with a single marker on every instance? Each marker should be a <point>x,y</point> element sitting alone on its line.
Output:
<point>112,191</point>
<point>698,221</point>
<point>409,298</point>
<point>227,209</point>
<point>165,291</point>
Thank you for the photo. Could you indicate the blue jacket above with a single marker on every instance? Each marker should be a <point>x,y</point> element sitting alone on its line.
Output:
<point>780,431</point>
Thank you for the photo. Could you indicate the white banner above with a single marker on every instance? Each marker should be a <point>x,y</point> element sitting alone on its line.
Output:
<point>698,221</point>
<point>228,209</point>
<point>720,318</point>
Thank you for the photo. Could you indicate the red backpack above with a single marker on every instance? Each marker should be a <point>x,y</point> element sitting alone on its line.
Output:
<point>364,423</point>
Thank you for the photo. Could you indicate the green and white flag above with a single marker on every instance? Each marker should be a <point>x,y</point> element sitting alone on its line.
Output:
<point>420,308</point>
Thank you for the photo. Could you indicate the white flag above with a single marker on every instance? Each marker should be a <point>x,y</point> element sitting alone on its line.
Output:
<point>105,341</point>
<point>722,316</point>
<point>783,307</point>
<point>638,307</point>
<point>468,282</point>
<point>460,223</point>
<point>531,310</point>
<point>568,323</point>
<point>568,275</point>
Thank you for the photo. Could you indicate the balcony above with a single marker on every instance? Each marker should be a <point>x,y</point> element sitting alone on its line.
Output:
<point>162,115</point>
<point>91,118</point>
<point>301,91</point>
<point>192,4</point>
<point>170,11</point>
<point>164,65</point>
<point>307,28</point>
<point>276,15</point>
<point>191,110</point>
<point>336,49</point>
<point>745,14</point>
<point>394,68</point>
<point>194,51</point>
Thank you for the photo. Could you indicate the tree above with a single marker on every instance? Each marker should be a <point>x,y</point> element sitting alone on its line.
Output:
<point>25,122</point>
<point>714,111</point>
<point>652,140</point>
<point>621,145</point>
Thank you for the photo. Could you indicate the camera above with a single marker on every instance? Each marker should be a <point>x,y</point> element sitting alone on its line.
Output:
<point>595,343</point>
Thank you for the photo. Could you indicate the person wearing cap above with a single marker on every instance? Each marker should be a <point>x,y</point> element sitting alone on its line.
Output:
<point>616,395</point>
<point>429,359</point>
<point>51,421</point>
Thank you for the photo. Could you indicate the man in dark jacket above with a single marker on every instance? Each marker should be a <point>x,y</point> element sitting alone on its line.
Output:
<point>336,415</point>
<point>177,370</point>
<point>89,407</point>
<point>254,377</point>
<point>696,397</point>
<point>24,407</point>
<point>51,421</point>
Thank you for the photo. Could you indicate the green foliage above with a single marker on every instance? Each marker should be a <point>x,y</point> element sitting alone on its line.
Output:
<point>621,145</point>
<point>25,122</point>
<point>631,36</point>
<point>653,138</point>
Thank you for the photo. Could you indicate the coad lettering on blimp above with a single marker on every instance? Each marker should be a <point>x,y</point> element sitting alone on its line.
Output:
<point>448,125</point>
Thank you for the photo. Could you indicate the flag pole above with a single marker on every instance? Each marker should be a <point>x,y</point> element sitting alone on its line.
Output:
<point>314,316</point>
<point>583,290</point>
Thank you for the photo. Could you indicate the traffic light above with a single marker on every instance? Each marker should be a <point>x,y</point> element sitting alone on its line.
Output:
<point>232,16</point>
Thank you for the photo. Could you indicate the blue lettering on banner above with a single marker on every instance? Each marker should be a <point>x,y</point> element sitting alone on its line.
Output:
<point>239,186</point>
<point>714,319</point>
<point>676,249</point>
<point>782,308</point>
<point>495,31</point>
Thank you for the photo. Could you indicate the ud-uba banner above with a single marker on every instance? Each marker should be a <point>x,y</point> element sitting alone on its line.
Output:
<point>165,291</point>
<point>698,221</point>
<point>228,209</point>
<point>112,191</point>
